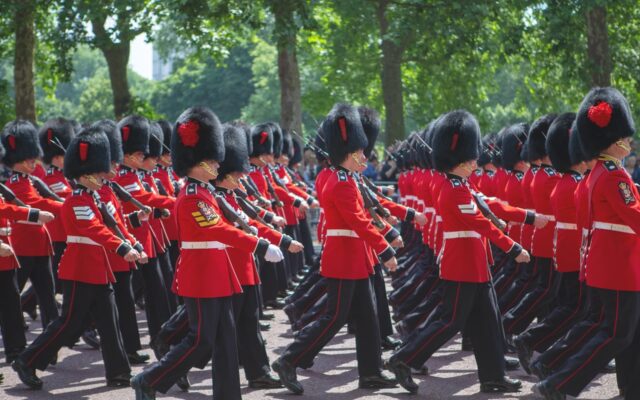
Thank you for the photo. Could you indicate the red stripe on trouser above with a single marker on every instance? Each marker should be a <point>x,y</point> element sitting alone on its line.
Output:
<point>66,322</point>
<point>410,290</point>
<point>333,321</point>
<point>565,322</point>
<point>606,342</point>
<point>311,304</point>
<point>524,288</point>
<point>185,355</point>
<point>579,341</point>
<point>535,302</point>
<point>439,331</point>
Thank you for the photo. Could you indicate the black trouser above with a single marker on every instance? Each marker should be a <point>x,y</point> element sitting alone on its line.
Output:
<point>614,336</point>
<point>306,240</point>
<point>10,314</point>
<point>58,250</point>
<point>346,298</point>
<point>176,327</point>
<point>127,311</point>
<point>544,292</point>
<point>164,259</point>
<point>569,310</point>
<point>211,332</point>
<point>463,304</point>
<point>511,293</point>
<point>382,303</point>
<point>81,300</point>
<point>269,279</point>
<point>155,296</point>
<point>251,348</point>
<point>294,260</point>
<point>38,270</point>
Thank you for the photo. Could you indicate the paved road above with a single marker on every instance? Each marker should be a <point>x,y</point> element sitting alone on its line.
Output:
<point>80,375</point>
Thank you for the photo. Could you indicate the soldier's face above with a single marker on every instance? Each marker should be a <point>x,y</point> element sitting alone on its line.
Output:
<point>29,165</point>
<point>136,159</point>
<point>150,163</point>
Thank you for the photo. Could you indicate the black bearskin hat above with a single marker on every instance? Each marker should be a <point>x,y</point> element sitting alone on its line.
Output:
<point>297,152</point>
<point>262,138</point>
<point>513,139</point>
<point>236,155</point>
<point>558,142</point>
<point>488,146</point>
<point>88,153</point>
<point>371,124</point>
<point>287,144</point>
<point>20,140</point>
<point>576,150</point>
<point>156,139</point>
<point>197,136</point>
<point>115,141</point>
<point>54,134</point>
<point>538,136</point>
<point>277,138</point>
<point>166,135</point>
<point>343,132</point>
<point>134,132</point>
<point>603,118</point>
<point>247,131</point>
<point>456,139</point>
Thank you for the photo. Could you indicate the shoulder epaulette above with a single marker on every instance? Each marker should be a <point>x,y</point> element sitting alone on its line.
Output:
<point>342,176</point>
<point>50,171</point>
<point>122,172</point>
<point>192,188</point>
<point>456,182</point>
<point>610,165</point>
<point>519,175</point>
<point>14,178</point>
<point>478,172</point>
<point>549,171</point>
<point>77,192</point>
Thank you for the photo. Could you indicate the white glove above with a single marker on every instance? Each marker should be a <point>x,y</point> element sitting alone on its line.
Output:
<point>274,254</point>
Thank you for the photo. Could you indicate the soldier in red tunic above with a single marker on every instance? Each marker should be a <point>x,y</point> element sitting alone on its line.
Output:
<point>85,270</point>
<point>345,261</point>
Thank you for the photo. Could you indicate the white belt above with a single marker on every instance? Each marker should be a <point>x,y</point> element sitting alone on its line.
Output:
<point>5,231</point>
<point>29,223</point>
<point>462,234</point>
<point>420,202</point>
<point>613,227</point>
<point>81,240</point>
<point>203,245</point>
<point>342,232</point>
<point>429,210</point>
<point>549,217</point>
<point>566,225</point>
<point>438,218</point>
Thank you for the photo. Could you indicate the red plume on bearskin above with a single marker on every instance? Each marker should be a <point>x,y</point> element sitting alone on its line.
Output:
<point>342,123</point>
<point>125,133</point>
<point>83,150</point>
<point>12,142</point>
<point>49,135</point>
<point>188,132</point>
<point>454,140</point>
<point>263,137</point>
<point>600,114</point>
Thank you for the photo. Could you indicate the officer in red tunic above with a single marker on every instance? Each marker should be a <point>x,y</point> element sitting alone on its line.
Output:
<point>84,268</point>
<point>204,275</point>
<point>345,261</point>
<point>30,240</point>
<point>468,297</point>
<point>605,125</point>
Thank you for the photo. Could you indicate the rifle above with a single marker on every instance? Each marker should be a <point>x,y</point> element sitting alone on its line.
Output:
<point>253,191</point>
<point>369,205</point>
<point>44,190</point>
<point>486,211</point>
<point>162,191</point>
<point>374,188</point>
<point>276,199</point>
<point>128,197</point>
<point>251,212</point>
<point>10,196</point>
<point>231,214</point>
<point>110,222</point>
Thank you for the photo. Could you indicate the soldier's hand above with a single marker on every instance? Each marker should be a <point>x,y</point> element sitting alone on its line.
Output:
<point>392,264</point>
<point>5,250</point>
<point>295,247</point>
<point>45,216</point>
<point>144,258</point>
<point>278,221</point>
<point>132,256</point>
<point>420,219</point>
<point>392,220</point>
<point>390,190</point>
<point>165,214</point>
<point>315,204</point>
<point>274,254</point>
<point>397,242</point>
<point>143,216</point>
<point>304,207</point>
<point>540,221</point>
<point>523,257</point>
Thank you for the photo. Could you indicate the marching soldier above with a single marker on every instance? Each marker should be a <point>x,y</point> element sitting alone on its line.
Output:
<point>84,268</point>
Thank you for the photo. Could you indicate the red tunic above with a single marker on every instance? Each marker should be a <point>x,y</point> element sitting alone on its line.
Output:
<point>567,237</point>
<point>56,181</point>
<point>168,179</point>
<point>12,212</point>
<point>544,182</point>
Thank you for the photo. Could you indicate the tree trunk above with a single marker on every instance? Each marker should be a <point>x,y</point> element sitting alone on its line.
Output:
<point>391,76</point>
<point>23,61</point>
<point>288,72</point>
<point>598,46</point>
<point>117,57</point>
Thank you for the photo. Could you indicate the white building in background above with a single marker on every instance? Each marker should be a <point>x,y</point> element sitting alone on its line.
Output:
<point>161,68</point>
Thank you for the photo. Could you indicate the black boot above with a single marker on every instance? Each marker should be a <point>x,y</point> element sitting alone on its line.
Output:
<point>504,385</point>
<point>287,374</point>
<point>90,337</point>
<point>266,381</point>
<point>27,375</point>
<point>137,358</point>
<point>183,383</point>
<point>403,375</point>
<point>540,370</point>
<point>511,364</point>
<point>121,380</point>
<point>389,343</point>
<point>142,389</point>
<point>549,393</point>
<point>524,353</point>
<point>381,381</point>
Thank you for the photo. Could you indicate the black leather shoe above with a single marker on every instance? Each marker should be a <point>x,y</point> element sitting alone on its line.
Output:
<point>424,371</point>
<point>264,326</point>
<point>287,374</point>
<point>389,343</point>
<point>142,389</point>
<point>54,360</point>
<point>27,375</point>
<point>275,304</point>
<point>548,393</point>
<point>13,355</point>
<point>266,381</point>
<point>291,312</point>
<point>610,368</point>
<point>511,363</point>
<point>183,383</point>
<point>524,353</point>
<point>505,385</point>
<point>137,358</point>
<point>266,317</point>
<point>540,370</point>
<point>382,381</point>
<point>121,380</point>
<point>159,347</point>
<point>90,337</point>
<point>403,375</point>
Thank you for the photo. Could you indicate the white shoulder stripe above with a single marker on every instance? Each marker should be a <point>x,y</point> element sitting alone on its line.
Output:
<point>134,187</point>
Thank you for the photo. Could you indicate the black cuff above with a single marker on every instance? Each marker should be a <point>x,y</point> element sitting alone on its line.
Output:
<point>391,235</point>
<point>285,242</point>
<point>123,249</point>
<point>310,200</point>
<point>157,213</point>
<point>411,214</point>
<point>530,218</point>
<point>135,220</point>
<point>268,217</point>
<point>138,247</point>
<point>515,250</point>
<point>297,202</point>
<point>261,248</point>
<point>34,214</point>
<point>386,255</point>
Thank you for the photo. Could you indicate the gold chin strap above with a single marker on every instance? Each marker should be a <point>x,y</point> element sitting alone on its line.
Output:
<point>92,179</point>
<point>467,168</point>
<point>355,158</point>
<point>232,179</point>
<point>606,157</point>
<point>623,144</point>
<point>209,170</point>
